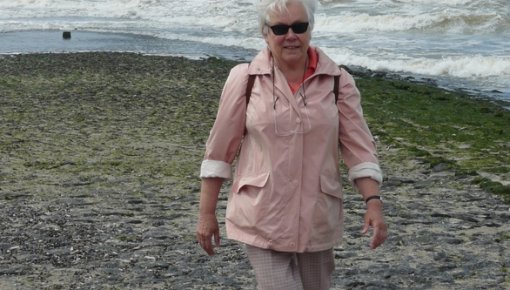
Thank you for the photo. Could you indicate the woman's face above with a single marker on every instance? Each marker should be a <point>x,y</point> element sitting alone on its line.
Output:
<point>291,48</point>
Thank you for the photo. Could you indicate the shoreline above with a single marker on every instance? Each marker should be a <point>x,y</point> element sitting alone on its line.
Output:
<point>83,41</point>
<point>99,184</point>
<point>432,81</point>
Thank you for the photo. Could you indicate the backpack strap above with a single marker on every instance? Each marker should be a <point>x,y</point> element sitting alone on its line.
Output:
<point>249,87</point>
<point>337,81</point>
<point>335,87</point>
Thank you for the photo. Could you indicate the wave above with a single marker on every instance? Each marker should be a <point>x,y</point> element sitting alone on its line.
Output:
<point>444,21</point>
<point>438,2</point>
<point>465,66</point>
<point>155,14</point>
<point>450,16</point>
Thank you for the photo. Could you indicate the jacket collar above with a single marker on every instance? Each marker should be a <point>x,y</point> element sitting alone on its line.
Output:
<point>262,64</point>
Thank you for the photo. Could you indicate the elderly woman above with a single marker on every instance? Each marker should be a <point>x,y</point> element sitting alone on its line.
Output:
<point>285,203</point>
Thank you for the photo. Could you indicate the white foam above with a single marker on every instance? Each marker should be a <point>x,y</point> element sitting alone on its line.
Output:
<point>470,67</point>
<point>441,21</point>
<point>439,2</point>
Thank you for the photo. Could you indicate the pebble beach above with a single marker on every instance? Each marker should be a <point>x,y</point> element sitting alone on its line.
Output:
<point>100,156</point>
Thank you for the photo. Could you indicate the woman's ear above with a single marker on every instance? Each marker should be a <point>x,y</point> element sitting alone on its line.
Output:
<point>265,38</point>
<point>265,33</point>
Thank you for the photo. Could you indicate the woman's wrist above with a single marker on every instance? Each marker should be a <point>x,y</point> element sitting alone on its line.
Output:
<point>373,198</point>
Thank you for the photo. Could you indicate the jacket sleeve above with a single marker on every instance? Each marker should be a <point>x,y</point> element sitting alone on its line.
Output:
<point>357,144</point>
<point>227,132</point>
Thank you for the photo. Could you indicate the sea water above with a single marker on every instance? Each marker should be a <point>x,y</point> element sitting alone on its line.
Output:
<point>458,43</point>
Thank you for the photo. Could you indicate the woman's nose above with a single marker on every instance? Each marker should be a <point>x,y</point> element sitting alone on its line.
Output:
<point>290,34</point>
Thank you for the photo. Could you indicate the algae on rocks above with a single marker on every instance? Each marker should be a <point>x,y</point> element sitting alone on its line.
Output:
<point>99,161</point>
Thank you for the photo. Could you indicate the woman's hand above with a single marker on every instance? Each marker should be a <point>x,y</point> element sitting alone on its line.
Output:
<point>207,226</point>
<point>374,218</point>
<point>207,231</point>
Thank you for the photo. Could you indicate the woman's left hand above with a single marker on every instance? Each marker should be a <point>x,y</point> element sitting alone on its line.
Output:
<point>207,232</point>
<point>374,218</point>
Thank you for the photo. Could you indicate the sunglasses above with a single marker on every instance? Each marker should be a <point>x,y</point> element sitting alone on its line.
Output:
<point>282,29</point>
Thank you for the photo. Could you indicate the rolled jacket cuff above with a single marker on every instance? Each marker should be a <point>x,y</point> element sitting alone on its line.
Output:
<point>215,168</point>
<point>366,169</point>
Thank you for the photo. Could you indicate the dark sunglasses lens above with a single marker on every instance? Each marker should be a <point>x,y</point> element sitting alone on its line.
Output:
<point>280,29</point>
<point>299,27</point>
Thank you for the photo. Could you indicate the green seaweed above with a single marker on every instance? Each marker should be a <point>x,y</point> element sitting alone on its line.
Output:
<point>134,117</point>
<point>469,135</point>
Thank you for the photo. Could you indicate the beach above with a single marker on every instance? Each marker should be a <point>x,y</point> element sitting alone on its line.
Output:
<point>100,155</point>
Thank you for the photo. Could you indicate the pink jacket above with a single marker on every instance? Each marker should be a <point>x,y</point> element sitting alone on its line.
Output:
<point>286,193</point>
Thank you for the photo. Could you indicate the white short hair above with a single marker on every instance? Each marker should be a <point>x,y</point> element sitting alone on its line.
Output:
<point>266,7</point>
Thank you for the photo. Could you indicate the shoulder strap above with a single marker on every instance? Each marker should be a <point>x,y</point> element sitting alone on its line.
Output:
<point>249,86</point>
<point>335,88</point>
<point>337,82</point>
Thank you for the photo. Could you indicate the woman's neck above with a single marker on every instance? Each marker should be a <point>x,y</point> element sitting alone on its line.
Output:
<point>294,73</point>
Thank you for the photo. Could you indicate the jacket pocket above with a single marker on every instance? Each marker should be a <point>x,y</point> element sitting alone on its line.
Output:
<point>331,185</point>
<point>244,182</point>
<point>327,216</point>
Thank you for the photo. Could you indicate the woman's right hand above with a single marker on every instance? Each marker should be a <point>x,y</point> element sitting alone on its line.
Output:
<point>207,232</point>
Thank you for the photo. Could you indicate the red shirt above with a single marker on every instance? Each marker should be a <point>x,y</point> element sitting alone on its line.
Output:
<point>312,65</point>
